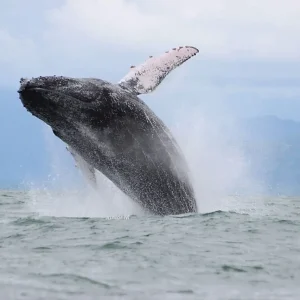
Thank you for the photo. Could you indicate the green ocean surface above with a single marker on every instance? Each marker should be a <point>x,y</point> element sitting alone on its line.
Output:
<point>251,253</point>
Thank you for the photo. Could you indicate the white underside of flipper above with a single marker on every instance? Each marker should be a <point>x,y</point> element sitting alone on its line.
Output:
<point>146,77</point>
<point>87,170</point>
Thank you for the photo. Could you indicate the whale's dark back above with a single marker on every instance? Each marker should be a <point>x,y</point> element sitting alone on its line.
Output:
<point>117,134</point>
<point>143,159</point>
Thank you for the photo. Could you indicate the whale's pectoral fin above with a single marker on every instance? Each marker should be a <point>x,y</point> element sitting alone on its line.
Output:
<point>87,170</point>
<point>146,77</point>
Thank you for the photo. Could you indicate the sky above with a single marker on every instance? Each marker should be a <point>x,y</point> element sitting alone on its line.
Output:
<point>248,62</point>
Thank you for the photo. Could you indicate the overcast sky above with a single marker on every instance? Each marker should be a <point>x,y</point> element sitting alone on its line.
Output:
<point>248,63</point>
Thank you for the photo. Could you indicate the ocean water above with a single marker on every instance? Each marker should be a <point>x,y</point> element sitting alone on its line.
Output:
<point>250,252</point>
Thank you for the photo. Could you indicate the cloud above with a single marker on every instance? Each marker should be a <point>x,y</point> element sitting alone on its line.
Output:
<point>16,55</point>
<point>93,37</point>
<point>251,29</point>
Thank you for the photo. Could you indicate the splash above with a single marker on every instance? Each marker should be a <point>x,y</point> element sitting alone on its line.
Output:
<point>220,172</point>
<point>65,194</point>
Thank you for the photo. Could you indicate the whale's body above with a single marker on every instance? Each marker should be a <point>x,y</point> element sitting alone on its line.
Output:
<point>108,128</point>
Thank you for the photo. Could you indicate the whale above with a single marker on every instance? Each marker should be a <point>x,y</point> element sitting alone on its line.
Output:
<point>108,129</point>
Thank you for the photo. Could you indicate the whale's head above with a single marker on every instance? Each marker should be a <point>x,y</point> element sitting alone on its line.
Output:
<point>64,102</point>
<point>54,98</point>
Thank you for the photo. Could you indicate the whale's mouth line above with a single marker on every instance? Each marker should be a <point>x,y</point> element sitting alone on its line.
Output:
<point>27,85</point>
<point>23,90</point>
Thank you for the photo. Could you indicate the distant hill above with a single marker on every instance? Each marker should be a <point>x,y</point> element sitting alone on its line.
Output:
<point>273,146</point>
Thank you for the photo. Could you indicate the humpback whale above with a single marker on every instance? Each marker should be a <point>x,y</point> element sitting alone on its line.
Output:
<point>108,128</point>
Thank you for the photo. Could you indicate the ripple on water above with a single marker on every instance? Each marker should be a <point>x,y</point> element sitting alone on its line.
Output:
<point>218,255</point>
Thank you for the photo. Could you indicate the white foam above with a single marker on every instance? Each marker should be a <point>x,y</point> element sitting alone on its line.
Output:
<point>220,170</point>
<point>63,194</point>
